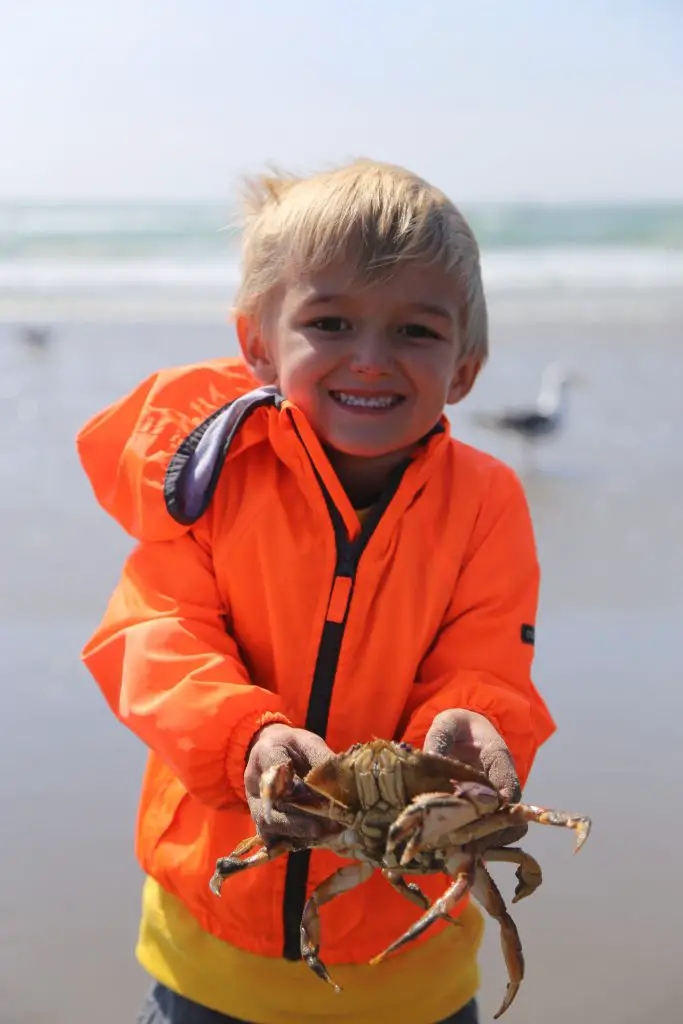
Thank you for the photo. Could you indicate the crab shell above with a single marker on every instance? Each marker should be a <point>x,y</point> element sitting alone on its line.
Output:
<point>370,786</point>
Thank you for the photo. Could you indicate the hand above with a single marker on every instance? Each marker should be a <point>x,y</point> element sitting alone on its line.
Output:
<point>276,744</point>
<point>469,737</point>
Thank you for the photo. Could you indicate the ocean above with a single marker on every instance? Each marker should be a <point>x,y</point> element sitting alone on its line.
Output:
<point>115,292</point>
<point>150,261</point>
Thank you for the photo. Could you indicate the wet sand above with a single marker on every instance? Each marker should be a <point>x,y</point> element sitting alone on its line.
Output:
<point>602,936</point>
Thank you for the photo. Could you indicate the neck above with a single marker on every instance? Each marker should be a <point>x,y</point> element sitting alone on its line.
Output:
<point>364,479</point>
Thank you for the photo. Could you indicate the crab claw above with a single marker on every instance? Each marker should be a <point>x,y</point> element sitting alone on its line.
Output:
<point>544,816</point>
<point>277,782</point>
<point>236,862</point>
<point>583,829</point>
<point>216,884</point>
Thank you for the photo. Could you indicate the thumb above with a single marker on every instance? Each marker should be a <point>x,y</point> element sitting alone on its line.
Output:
<point>496,760</point>
<point>470,737</point>
<point>450,734</point>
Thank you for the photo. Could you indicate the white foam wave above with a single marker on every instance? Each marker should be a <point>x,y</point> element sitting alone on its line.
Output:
<point>569,285</point>
<point>45,275</point>
<point>582,269</point>
<point>519,270</point>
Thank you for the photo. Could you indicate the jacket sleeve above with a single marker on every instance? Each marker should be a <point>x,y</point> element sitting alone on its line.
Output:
<point>481,659</point>
<point>171,672</point>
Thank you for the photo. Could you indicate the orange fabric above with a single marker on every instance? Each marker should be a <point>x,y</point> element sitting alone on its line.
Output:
<point>215,629</point>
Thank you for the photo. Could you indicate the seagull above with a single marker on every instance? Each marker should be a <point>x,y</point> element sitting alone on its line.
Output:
<point>542,419</point>
<point>36,336</point>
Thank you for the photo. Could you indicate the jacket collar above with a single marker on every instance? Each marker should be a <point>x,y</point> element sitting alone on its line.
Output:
<point>264,415</point>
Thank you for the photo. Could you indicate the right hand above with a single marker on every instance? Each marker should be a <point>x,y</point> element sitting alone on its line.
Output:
<point>276,744</point>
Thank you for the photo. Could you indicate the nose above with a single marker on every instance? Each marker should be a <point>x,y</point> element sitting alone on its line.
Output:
<point>372,354</point>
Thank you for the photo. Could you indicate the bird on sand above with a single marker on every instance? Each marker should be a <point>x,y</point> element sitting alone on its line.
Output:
<point>545,417</point>
<point>36,336</point>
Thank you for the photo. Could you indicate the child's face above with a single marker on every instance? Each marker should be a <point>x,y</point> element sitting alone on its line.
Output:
<point>371,366</point>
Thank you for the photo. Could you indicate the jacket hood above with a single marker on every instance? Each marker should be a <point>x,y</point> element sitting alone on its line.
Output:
<point>126,448</point>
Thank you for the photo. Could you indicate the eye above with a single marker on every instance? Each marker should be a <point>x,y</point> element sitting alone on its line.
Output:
<point>418,331</point>
<point>330,324</point>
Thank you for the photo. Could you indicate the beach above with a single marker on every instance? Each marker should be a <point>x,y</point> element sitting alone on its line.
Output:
<point>602,935</point>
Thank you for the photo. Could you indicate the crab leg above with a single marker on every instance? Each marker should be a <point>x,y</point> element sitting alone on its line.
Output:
<point>341,881</point>
<point>490,823</point>
<point>545,816</point>
<point>409,827</point>
<point>227,866</point>
<point>486,892</point>
<point>412,892</point>
<point>440,908</point>
<point>529,874</point>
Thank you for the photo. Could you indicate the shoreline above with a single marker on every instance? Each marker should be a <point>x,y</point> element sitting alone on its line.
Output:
<point>650,306</point>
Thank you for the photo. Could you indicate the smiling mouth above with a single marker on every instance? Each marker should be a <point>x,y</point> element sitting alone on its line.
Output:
<point>351,400</point>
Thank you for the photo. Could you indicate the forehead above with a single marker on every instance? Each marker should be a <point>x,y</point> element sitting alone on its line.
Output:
<point>406,284</point>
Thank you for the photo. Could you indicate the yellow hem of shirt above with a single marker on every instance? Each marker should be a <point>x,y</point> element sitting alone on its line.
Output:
<point>425,983</point>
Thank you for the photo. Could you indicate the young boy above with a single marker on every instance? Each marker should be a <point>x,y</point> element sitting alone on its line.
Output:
<point>319,563</point>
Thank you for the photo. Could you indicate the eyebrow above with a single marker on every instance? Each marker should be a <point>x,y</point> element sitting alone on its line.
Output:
<point>317,299</point>
<point>430,308</point>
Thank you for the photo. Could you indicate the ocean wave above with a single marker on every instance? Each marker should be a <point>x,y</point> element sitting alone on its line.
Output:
<point>64,275</point>
<point>571,269</point>
<point>512,270</point>
<point>206,230</point>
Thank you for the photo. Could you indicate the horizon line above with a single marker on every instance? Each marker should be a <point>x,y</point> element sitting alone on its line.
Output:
<point>636,200</point>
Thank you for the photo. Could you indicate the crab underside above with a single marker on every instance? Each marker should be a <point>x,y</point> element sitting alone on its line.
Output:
<point>402,812</point>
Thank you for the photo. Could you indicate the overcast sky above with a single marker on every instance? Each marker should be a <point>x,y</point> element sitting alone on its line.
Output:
<point>492,99</point>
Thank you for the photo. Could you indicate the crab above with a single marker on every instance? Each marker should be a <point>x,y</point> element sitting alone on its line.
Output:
<point>403,812</point>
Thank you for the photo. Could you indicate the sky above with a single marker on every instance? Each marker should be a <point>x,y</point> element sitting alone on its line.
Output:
<point>490,99</point>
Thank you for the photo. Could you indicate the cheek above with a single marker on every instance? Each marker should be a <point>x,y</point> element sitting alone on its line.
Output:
<point>299,372</point>
<point>431,374</point>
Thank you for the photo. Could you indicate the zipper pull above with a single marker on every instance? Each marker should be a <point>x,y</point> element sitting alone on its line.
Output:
<point>339,598</point>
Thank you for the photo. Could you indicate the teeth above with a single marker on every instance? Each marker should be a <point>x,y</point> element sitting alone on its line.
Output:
<point>376,402</point>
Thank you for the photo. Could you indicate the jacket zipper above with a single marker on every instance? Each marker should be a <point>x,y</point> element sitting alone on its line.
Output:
<point>317,715</point>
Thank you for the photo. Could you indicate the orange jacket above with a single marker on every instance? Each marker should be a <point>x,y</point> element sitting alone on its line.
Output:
<point>254,595</point>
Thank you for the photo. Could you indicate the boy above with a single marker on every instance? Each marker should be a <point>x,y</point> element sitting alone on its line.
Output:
<point>319,563</point>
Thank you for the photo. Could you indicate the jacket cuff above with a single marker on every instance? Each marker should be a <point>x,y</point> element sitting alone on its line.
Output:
<point>240,741</point>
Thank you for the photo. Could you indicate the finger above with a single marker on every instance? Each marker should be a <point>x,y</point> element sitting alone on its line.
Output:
<point>459,745</point>
<point>293,826</point>
<point>266,756</point>
<point>312,750</point>
<point>304,749</point>
<point>288,820</point>
<point>441,740</point>
<point>496,760</point>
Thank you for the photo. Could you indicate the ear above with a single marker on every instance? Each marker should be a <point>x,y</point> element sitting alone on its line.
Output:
<point>255,350</point>
<point>463,380</point>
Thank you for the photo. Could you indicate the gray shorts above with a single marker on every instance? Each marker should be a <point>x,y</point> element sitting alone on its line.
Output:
<point>162,1006</point>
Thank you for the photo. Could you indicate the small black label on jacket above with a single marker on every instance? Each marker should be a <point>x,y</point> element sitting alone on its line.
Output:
<point>528,635</point>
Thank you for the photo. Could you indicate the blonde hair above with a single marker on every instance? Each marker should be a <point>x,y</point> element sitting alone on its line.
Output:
<point>374,216</point>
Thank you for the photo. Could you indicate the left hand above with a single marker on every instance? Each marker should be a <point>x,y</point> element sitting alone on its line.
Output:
<point>275,744</point>
<point>469,737</point>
